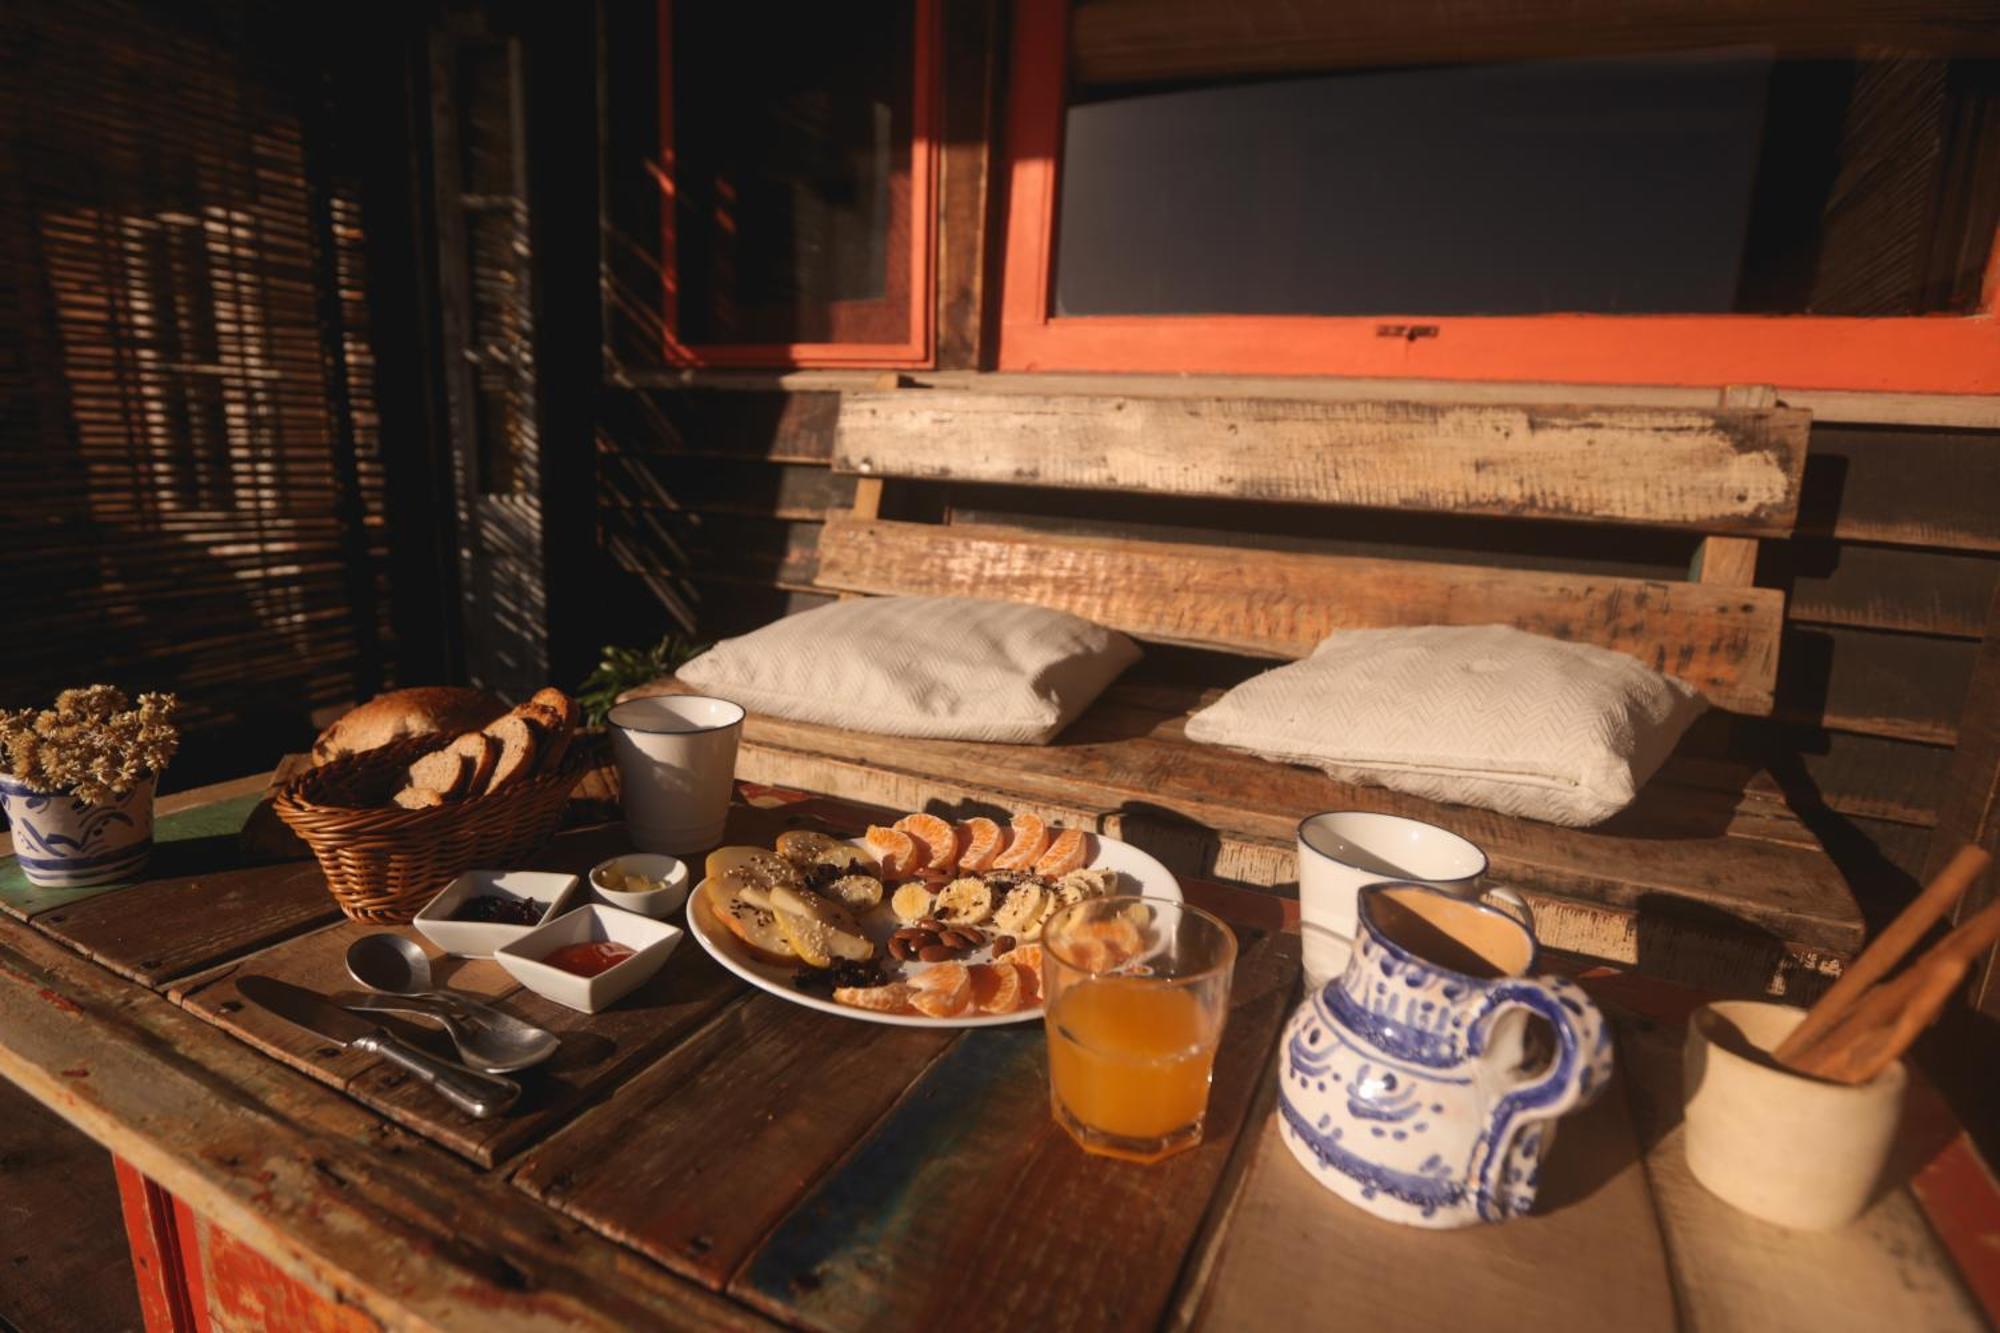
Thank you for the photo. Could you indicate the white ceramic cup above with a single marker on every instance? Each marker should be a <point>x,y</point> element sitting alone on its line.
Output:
<point>1794,1150</point>
<point>1342,850</point>
<point>676,758</point>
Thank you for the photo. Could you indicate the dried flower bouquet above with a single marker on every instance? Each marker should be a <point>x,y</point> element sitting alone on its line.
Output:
<point>95,742</point>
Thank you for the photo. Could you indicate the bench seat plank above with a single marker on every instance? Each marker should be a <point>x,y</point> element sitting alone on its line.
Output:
<point>1692,850</point>
<point>1712,469</point>
<point>1722,640</point>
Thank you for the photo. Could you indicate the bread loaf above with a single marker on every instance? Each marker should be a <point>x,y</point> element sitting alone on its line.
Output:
<point>426,710</point>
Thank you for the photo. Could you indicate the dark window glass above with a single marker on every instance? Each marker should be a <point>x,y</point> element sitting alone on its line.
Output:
<point>1703,182</point>
<point>790,139</point>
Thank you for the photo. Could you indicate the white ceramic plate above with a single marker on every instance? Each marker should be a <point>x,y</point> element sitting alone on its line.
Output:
<point>1137,871</point>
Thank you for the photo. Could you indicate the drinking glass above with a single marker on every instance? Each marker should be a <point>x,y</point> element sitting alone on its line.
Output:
<point>1136,992</point>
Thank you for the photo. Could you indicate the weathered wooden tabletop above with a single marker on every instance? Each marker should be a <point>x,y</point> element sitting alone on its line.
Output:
<point>707,1154</point>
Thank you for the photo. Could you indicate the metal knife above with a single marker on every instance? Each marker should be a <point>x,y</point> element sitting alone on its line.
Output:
<point>480,1096</point>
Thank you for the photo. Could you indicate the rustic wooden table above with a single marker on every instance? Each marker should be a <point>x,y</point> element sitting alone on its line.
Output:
<point>708,1155</point>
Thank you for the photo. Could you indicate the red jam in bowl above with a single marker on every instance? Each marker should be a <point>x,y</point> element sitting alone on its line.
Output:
<point>589,958</point>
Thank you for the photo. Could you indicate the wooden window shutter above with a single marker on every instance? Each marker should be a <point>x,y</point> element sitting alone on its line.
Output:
<point>189,467</point>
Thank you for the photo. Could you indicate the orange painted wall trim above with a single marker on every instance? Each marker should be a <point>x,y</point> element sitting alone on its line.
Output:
<point>915,351</point>
<point>1927,354</point>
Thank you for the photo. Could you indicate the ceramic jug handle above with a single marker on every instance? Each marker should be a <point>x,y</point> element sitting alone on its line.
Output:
<point>1505,1162</point>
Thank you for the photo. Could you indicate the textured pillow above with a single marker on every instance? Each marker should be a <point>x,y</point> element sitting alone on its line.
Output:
<point>1486,715</point>
<point>959,668</point>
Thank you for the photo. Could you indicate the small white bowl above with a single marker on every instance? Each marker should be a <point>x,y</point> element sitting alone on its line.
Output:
<point>650,941</point>
<point>655,902</point>
<point>478,939</point>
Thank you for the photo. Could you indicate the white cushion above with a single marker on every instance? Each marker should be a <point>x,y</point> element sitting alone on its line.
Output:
<point>960,668</point>
<point>1487,715</point>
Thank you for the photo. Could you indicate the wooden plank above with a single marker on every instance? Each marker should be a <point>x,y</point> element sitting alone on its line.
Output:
<point>707,423</point>
<point>1133,41</point>
<point>972,42</point>
<point>1886,587</point>
<point>650,1169</point>
<point>1970,809</point>
<point>1903,487</point>
<point>1843,406</point>
<point>168,927</point>
<point>1721,640</point>
<point>1296,1257</point>
<point>361,1213</point>
<point>1903,686</point>
<point>969,1207</point>
<point>1875,776</point>
<point>1653,854</point>
<point>1726,562</point>
<point>1732,1271</point>
<point>203,827</point>
<point>1732,470</point>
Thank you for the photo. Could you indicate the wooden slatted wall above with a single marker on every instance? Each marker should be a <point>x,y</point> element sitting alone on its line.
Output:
<point>190,470</point>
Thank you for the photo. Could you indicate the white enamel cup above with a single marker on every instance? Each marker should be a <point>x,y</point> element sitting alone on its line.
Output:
<point>1342,850</point>
<point>676,758</point>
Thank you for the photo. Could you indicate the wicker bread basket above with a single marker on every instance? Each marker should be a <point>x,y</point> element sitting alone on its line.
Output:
<point>383,862</point>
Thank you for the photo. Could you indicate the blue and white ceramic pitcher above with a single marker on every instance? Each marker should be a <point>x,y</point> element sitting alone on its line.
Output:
<point>1405,1085</point>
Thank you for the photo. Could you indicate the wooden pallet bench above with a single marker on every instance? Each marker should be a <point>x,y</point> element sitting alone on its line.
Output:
<point>1711,876</point>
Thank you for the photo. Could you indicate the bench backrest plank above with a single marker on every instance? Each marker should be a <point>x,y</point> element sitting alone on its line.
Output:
<point>1725,470</point>
<point>1723,640</point>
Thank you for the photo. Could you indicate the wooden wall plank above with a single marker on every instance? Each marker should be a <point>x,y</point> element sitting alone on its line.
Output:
<point>1721,469</point>
<point>1128,41</point>
<point>1904,686</point>
<point>972,44</point>
<point>1722,640</point>
<point>778,427</point>
<point>1907,486</point>
<point>1970,809</point>
<point>1886,587</point>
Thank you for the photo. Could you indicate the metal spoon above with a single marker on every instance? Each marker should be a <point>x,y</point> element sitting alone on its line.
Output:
<point>486,1038</point>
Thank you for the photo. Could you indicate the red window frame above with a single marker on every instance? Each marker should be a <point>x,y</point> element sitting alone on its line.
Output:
<point>1925,353</point>
<point>913,222</point>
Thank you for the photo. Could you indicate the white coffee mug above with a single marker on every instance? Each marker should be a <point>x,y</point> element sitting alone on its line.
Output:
<point>676,758</point>
<point>1342,850</point>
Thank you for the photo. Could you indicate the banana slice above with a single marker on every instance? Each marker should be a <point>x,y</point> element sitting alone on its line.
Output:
<point>912,902</point>
<point>831,931</point>
<point>964,902</point>
<point>758,865</point>
<point>857,893</point>
<point>1021,912</point>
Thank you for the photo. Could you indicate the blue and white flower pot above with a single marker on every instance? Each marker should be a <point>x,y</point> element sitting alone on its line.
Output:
<point>1406,1085</point>
<point>63,842</point>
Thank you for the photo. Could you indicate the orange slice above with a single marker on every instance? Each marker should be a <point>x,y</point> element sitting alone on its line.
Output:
<point>1030,839</point>
<point>900,854</point>
<point>893,998</point>
<point>996,987</point>
<point>980,841</point>
<point>1027,960</point>
<point>939,839</point>
<point>1068,852</point>
<point>942,990</point>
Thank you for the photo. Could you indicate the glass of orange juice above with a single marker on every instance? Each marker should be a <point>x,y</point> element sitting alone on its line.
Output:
<point>1135,994</point>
